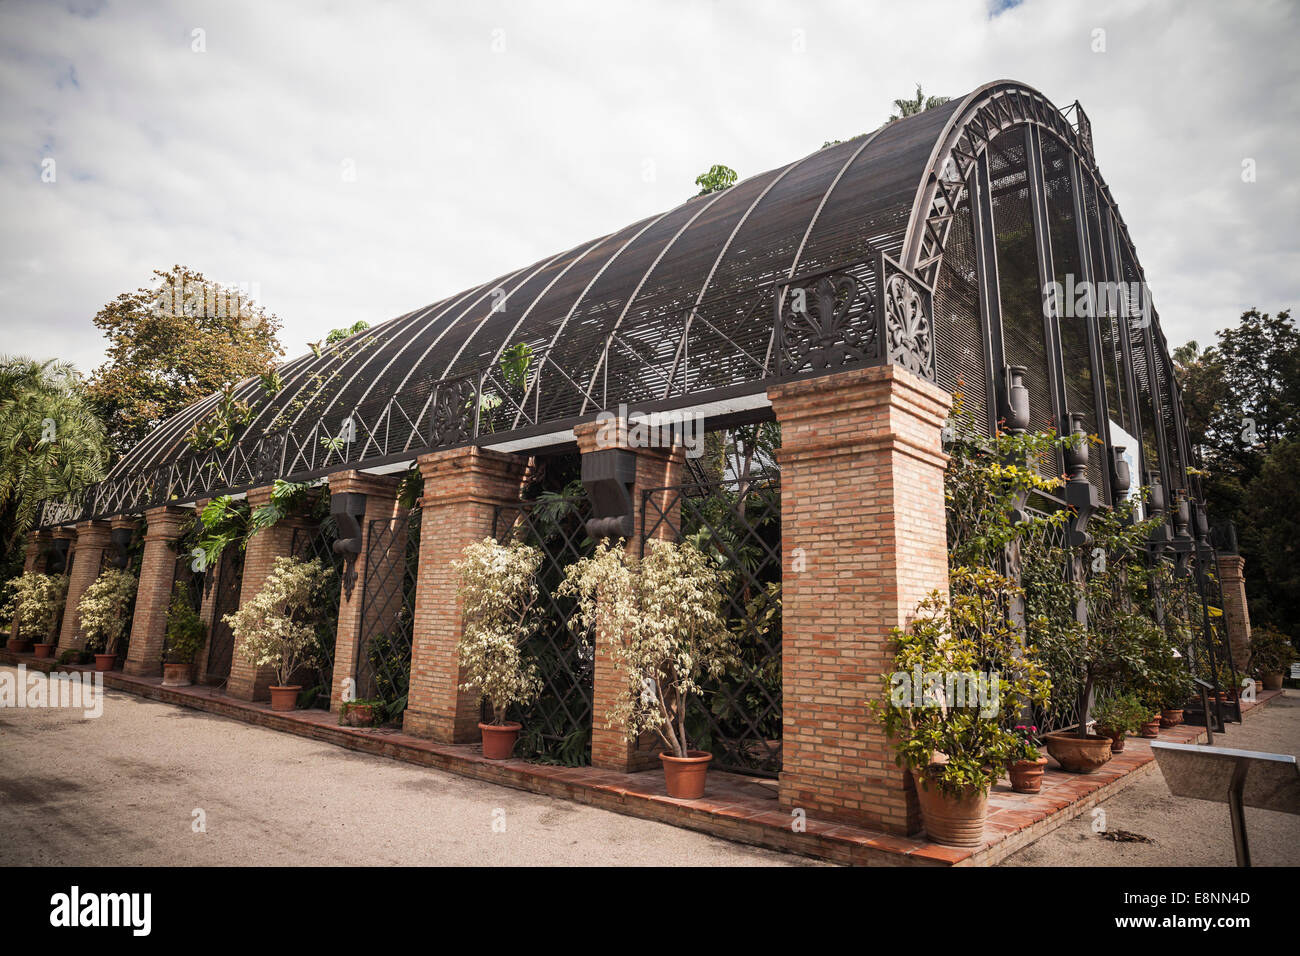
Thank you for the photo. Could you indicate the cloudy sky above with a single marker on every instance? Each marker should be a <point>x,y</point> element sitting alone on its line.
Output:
<point>351,161</point>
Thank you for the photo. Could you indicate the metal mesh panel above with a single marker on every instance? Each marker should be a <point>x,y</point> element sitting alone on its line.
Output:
<point>318,543</point>
<point>739,715</point>
<point>1044,575</point>
<point>221,640</point>
<point>1075,324</point>
<point>556,726</point>
<point>383,666</point>
<point>959,347</point>
<point>1024,336</point>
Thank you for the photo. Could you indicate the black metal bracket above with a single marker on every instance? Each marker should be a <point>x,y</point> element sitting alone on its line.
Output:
<point>608,476</point>
<point>121,539</point>
<point>348,509</point>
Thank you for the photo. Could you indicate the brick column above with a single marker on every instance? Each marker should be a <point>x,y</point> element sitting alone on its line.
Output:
<point>462,486</point>
<point>381,504</point>
<point>247,680</point>
<point>92,540</point>
<point>37,554</point>
<point>1236,613</point>
<point>655,468</point>
<point>862,503</point>
<point>154,592</point>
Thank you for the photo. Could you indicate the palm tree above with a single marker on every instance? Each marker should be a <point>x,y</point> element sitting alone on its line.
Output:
<point>51,442</point>
<point>919,104</point>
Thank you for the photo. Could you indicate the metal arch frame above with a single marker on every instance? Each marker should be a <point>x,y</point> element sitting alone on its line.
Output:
<point>984,114</point>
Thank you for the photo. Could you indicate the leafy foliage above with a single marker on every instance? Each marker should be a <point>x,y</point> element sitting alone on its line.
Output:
<point>716,179</point>
<point>499,597</point>
<point>277,627</point>
<point>1271,651</point>
<point>102,610</point>
<point>956,744</point>
<point>51,442</point>
<point>1242,399</point>
<point>186,634</point>
<point>172,343</point>
<point>661,617</point>
<point>34,603</point>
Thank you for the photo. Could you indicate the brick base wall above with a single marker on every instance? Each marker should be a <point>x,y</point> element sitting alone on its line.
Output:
<point>862,508</point>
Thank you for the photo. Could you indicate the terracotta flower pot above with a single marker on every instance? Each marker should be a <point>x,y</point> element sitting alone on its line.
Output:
<point>19,645</point>
<point>1271,681</point>
<point>285,698</point>
<point>361,715</point>
<point>1171,717</point>
<point>1078,754</point>
<point>1151,729</point>
<point>176,674</point>
<point>1116,737</point>
<point>1027,775</point>
<point>499,739</point>
<point>43,650</point>
<point>685,776</point>
<point>952,821</point>
<point>105,662</point>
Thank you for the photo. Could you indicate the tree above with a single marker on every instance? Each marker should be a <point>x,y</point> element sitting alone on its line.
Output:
<point>173,343</point>
<point>51,443</point>
<point>918,104</point>
<point>1242,399</point>
<point>716,179</point>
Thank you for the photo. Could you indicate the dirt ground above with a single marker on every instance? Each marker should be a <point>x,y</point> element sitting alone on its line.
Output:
<point>132,786</point>
<point>1184,832</point>
<point>124,789</point>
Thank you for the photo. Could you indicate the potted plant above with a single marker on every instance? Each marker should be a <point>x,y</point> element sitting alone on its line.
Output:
<point>186,636</point>
<point>1175,689</point>
<point>498,610</point>
<point>34,603</point>
<point>102,614</point>
<point>661,619</point>
<point>953,741</point>
<point>1118,716</point>
<point>1271,654</point>
<point>1120,643</point>
<point>277,627</point>
<point>361,713</point>
<point>1026,766</point>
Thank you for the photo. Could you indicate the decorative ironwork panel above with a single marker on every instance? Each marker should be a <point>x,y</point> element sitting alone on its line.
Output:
<point>557,726</point>
<point>221,640</point>
<point>826,322</point>
<point>383,668</point>
<point>318,543</point>
<point>738,717</point>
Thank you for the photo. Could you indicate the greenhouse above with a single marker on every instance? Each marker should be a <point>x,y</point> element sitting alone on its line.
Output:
<point>779,372</point>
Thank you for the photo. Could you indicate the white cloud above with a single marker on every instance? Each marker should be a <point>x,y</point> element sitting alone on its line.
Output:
<point>471,163</point>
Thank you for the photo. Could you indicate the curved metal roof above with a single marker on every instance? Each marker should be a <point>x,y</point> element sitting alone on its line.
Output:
<point>688,307</point>
<point>701,263</point>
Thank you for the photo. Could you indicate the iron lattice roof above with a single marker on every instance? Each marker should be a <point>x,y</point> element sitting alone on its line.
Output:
<point>674,310</point>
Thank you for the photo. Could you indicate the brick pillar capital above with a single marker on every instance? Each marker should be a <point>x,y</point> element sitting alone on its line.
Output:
<point>93,534</point>
<point>1231,567</point>
<point>164,522</point>
<point>125,521</point>
<point>359,482</point>
<point>65,533</point>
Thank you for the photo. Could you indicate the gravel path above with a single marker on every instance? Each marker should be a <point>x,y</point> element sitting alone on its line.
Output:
<point>123,789</point>
<point>1185,832</point>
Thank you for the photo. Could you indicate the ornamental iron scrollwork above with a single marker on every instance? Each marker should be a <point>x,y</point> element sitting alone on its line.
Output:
<point>452,416</point>
<point>269,451</point>
<point>909,333</point>
<point>817,324</point>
